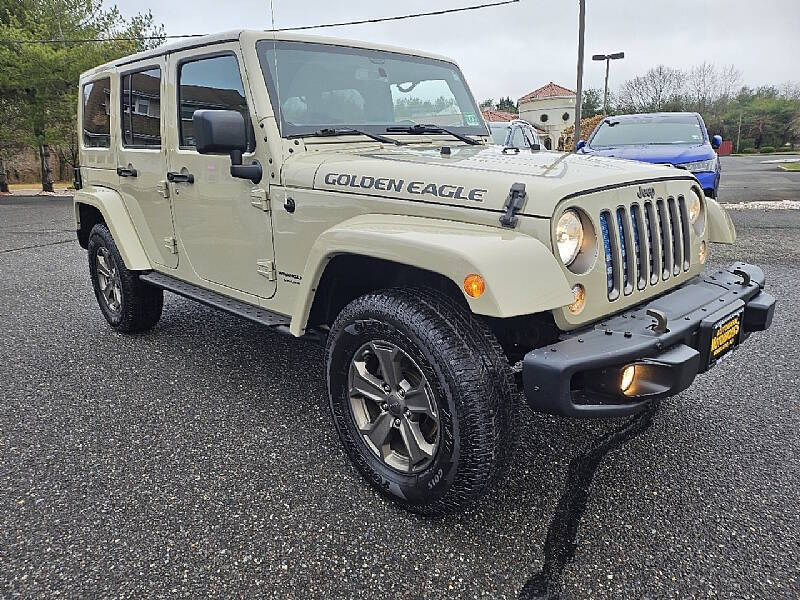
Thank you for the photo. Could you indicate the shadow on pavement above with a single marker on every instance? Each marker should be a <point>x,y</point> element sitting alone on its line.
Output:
<point>559,546</point>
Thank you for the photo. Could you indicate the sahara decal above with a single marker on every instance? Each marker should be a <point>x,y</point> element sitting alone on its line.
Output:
<point>387,184</point>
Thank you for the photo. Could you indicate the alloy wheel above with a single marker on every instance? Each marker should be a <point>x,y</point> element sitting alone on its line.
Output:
<point>393,406</point>
<point>108,279</point>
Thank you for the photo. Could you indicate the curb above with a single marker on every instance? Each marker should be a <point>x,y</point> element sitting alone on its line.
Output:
<point>39,193</point>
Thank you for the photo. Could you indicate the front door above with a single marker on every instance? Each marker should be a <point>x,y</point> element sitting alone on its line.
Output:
<point>223,230</point>
<point>142,160</point>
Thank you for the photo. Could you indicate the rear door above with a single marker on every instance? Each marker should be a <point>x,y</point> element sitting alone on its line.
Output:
<point>219,220</point>
<point>142,159</point>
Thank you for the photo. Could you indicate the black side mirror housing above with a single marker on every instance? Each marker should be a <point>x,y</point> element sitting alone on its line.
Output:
<point>535,147</point>
<point>225,132</point>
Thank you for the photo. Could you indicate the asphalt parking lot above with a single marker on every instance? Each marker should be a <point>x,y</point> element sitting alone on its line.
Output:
<point>198,460</point>
<point>757,178</point>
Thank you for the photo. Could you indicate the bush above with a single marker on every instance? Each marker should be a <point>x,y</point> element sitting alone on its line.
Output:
<point>767,149</point>
<point>748,150</point>
<point>785,149</point>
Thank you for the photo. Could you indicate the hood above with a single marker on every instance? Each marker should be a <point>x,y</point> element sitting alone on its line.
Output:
<point>470,176</point>
<point>656,153</point>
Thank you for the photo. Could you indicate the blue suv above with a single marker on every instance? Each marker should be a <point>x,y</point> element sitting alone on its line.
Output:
<point>677,139</point>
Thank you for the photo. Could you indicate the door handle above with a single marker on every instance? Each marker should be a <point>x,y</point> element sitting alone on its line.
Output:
<point>128,171</point>
<point>175,177</point>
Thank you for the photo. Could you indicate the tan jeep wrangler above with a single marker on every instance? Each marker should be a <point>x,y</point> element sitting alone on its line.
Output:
<point>350,192</point>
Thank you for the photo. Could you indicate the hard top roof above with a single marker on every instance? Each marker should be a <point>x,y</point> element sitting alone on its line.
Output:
<point>250,36</point>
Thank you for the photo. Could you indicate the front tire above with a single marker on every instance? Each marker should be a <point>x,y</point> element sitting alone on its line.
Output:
<point>422,398</point>
<point>128,304</point>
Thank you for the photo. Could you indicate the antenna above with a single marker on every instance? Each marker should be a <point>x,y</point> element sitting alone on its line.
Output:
<point>275,52</point>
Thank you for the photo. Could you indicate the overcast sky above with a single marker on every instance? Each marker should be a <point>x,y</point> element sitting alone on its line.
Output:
<point>511,50</point>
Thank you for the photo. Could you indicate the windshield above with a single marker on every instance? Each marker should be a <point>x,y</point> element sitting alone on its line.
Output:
<point>499,133</point>
<point>651,131</point>
<point>319,86</point>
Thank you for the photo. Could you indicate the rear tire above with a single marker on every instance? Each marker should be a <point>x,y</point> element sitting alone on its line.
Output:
<point>128,304</point>
<point>467,436</point>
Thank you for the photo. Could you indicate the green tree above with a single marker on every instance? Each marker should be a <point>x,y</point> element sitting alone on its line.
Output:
<point>767,116</point>
<point>39,81</point>
<point>592,103</point>
<point>507,105</point>
<point>487,104</point>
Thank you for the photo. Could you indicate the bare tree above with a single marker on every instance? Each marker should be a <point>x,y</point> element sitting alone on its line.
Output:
<point>652,91</point>
<point>702,86</point>
<point>729,81</point>
<point>791,90</point>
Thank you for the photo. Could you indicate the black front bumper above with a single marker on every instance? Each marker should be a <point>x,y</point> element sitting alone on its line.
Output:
<point>580,375</point>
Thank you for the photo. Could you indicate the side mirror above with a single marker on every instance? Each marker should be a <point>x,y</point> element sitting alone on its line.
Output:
<point>225,132</point>
<point>581,144</point>
<point>535,147</point>
<point>716,141</point>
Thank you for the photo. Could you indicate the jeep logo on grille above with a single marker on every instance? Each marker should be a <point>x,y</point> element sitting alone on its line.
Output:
<point>646,192</point>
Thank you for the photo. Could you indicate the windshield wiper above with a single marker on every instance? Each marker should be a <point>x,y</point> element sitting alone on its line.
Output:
<point>420,129</point>
<point>330,132</point>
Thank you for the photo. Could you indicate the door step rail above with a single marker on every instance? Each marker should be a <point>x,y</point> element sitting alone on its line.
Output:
<point>217,300</point>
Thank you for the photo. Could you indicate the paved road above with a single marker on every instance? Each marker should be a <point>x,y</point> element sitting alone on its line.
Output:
<point>198,460</point>
<point>752,178</point>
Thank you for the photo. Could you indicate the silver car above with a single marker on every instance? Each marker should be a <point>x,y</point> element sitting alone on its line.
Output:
<point>514,134</point>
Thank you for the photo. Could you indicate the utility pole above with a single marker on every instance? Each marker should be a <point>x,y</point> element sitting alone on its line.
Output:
<point>608,58</point>
<point>739,133</point>
<point>579,87</point>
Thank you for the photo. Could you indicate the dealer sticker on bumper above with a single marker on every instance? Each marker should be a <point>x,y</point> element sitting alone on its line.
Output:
<point>725,336</point>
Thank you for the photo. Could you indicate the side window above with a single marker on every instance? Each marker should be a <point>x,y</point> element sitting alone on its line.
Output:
<point>141,108</point>
<point>518,140</point>
<point>96,115</point>
<point>214,84</point>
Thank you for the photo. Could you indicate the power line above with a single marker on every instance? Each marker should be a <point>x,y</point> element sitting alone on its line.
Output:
<point>401,17</point>
<point>299,28</point>
<point>102,40</point>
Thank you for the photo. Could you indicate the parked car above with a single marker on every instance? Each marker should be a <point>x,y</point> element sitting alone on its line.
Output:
<point>447,279</point>
<point>677,139</point>
<point>514,134</point>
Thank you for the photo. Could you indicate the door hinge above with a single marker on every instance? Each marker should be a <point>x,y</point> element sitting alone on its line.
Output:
<point>162,187</point>
<point>267,269</point>
<point>171,244</point>
<point>258,198</point>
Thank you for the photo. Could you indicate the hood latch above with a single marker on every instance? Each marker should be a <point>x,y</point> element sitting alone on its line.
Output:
<point>514,204</point>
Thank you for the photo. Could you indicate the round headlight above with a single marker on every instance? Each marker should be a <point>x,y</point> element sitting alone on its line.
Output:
<point>569,236</point>
<point>693,206</point>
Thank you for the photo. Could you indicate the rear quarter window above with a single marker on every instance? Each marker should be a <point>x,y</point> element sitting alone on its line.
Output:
<point>96,123</point>
<point>141,108</point>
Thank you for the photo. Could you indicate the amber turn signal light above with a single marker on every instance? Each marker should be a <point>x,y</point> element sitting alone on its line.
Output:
<point>474,285</point>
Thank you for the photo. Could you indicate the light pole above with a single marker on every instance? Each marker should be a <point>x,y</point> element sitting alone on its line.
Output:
<point>576,136</point>
<point>608,58</point>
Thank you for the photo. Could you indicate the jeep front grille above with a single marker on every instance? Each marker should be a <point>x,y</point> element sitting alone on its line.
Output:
<point>644,244</point>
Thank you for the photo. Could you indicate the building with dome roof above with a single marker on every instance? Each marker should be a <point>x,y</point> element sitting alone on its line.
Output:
<point>550,108</point>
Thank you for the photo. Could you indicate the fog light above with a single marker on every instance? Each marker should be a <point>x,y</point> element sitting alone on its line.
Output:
<point>474,285</point>
<point>702,253</point>
<point>579,293</point>
<point>627,378</point>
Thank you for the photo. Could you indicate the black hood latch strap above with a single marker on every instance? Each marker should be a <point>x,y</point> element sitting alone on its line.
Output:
<point>514,203</point>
